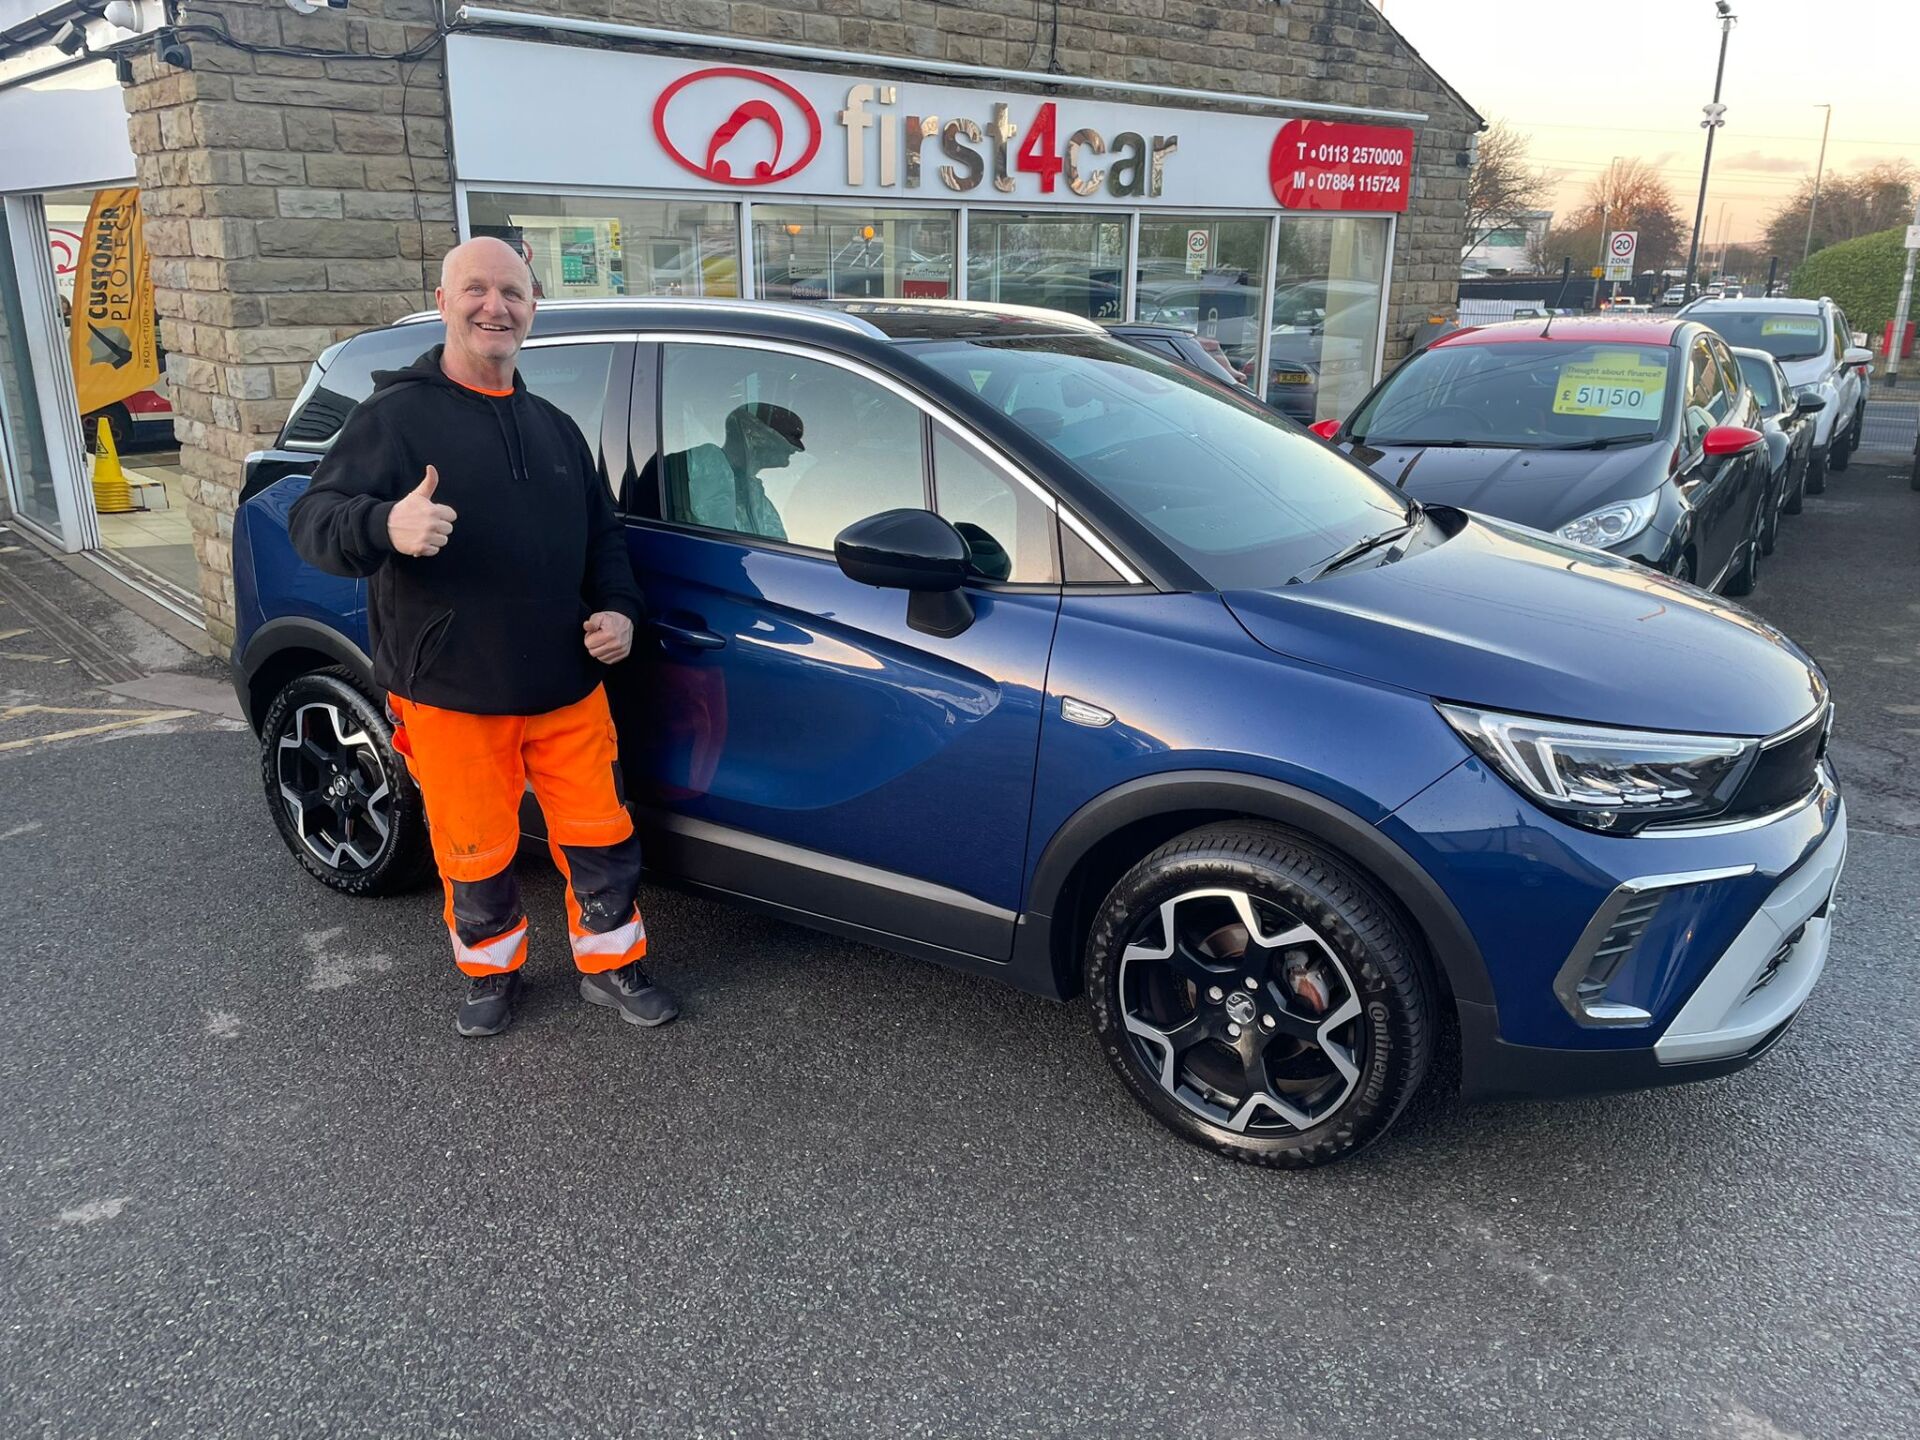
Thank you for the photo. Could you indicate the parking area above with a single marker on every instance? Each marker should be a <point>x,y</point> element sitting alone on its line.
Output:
<point>252,1183</point>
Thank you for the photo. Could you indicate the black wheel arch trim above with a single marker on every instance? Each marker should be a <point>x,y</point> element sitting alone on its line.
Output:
<point>1038,960</point>
<point>294,632</point>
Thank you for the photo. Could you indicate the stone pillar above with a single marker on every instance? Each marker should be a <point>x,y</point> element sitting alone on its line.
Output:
<point>290,201</point>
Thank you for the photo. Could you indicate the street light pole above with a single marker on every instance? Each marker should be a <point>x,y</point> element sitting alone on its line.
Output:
<point>1818,171</point>
<point>1716,117</point>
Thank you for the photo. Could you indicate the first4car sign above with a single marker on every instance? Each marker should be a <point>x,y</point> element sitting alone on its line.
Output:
<point>739,129</point>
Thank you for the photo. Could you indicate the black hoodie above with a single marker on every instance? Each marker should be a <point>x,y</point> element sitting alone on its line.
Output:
<point>493,624</point>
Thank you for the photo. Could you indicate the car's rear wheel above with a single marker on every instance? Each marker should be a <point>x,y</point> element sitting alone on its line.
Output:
<point>1258,997</point>
<point>341,798</point>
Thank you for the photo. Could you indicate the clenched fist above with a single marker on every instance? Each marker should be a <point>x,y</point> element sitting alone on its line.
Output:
<point>416,525</point>
<point>609,636</point>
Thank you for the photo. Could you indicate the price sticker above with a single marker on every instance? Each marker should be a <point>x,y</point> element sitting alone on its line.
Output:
<point>1615,384</point>
<point>1790,325</point>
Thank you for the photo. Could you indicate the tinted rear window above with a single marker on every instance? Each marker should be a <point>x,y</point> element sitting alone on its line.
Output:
<point>349,380</point>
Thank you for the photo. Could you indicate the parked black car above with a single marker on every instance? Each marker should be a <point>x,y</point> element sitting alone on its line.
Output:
<point>1786,419</point>
<point>1635,436</point>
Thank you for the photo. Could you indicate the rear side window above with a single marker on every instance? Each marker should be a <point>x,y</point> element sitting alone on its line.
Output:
<point>325,405</point>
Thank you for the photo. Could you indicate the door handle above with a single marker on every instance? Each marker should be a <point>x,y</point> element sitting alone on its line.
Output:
<point>691,638</point>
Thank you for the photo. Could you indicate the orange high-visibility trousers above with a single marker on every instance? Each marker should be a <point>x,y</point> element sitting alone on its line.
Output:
<point>472,771</point>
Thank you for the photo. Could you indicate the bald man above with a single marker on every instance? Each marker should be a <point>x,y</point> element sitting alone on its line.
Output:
<point>500,590</point>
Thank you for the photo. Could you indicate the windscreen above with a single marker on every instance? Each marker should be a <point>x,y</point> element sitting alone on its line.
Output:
<point>1522,394</point>
<point>1784,336</point>
<point>1243,496</point>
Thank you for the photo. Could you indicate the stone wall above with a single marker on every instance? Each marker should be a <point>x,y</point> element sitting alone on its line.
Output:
<point>290,201</point>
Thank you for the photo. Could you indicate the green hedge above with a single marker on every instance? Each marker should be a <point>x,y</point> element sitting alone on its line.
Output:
<point>1862,275</point>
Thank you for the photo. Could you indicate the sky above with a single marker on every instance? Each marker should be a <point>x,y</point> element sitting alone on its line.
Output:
<point>1586,82</point>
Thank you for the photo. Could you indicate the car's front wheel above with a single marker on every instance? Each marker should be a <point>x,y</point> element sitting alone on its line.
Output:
<point>341,797</point>
<point>1817,473</point>
<point>1258,997</point>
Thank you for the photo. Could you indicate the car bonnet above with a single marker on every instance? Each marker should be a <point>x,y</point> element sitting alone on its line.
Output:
<point>1541,488</point>
<point>1502,617</point>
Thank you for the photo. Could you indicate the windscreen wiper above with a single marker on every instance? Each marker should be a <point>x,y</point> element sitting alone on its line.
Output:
<point>1603,442</point>
<point>1359,548</point>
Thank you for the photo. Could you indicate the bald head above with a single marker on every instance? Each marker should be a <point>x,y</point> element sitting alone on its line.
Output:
<point>484,250</point>
<point>486,298</point>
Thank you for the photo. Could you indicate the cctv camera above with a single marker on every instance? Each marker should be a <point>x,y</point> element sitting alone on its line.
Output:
<point>70,39</point>
<point>170,49</point>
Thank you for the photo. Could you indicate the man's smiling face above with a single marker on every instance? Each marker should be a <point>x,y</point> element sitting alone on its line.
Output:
<point>486,298</point>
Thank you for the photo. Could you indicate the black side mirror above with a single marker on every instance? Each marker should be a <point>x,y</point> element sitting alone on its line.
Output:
<point>915,551</point>
<point>1807,402</point>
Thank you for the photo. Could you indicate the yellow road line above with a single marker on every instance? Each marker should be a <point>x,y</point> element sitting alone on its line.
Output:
<point>123,721</point>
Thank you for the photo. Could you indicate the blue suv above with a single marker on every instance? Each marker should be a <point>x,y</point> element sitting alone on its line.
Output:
<point>981,636</point>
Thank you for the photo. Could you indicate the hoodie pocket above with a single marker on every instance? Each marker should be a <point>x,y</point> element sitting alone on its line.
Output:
<point>427,646</point>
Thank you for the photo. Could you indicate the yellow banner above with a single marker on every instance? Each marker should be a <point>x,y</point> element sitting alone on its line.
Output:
<point>113,336</point>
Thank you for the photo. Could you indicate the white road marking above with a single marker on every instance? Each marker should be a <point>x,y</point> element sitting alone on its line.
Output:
<point>93,1210</point>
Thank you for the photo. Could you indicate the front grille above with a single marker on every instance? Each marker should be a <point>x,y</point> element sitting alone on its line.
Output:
<point>1788,770</point>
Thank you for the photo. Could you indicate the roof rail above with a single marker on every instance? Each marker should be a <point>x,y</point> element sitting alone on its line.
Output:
<point>982,307</point>
<point>790,311</point>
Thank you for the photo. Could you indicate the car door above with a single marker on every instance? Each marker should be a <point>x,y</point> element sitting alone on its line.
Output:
<point>795,740</point>
<point>1750,472</point>
<point>1709,485</point>
<point>1846,378</point>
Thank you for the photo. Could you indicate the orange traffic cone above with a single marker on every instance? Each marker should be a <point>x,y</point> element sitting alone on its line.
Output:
<point>111,493</point>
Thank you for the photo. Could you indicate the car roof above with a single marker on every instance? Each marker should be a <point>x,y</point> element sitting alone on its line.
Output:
<point>1778,304</point>
<point>1572,330</point>
<point>871,319</point>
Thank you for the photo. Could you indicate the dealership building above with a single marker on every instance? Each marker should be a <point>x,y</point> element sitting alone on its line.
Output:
<point>1286,178</point>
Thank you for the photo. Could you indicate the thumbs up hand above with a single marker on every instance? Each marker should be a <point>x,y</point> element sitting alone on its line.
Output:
<point>418,526</point>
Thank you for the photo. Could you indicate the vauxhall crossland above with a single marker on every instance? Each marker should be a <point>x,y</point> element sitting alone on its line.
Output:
<point>1043,658</point>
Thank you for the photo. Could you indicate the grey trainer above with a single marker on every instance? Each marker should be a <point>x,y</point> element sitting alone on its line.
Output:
<point>488,1008</point>
<point>639,1000</point>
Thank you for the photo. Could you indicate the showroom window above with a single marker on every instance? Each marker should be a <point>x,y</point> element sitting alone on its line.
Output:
<point>1204,275</point>
<point>840,252</point>
<point>1326,314</point>
<point>594,247</point>
<point>1068,263</point>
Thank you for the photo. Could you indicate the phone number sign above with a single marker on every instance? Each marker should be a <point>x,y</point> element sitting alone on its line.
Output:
<point>1327,165</point>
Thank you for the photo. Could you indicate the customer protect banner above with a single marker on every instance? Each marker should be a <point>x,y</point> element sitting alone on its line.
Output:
<point>113,332</point>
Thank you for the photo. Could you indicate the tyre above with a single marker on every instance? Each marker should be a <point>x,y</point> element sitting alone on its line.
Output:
<point>341,797</point>
<point>1769,523</point>
<point>1797,496</point>
<point>1817,473</point>
<point>1683,571</point>
<point>1259,997</point>
<point>1840,453</point>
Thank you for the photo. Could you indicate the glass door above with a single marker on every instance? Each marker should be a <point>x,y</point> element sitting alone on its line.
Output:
<point>33,444</point>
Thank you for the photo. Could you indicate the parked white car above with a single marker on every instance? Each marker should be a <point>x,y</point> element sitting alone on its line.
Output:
<point>1815,347</point>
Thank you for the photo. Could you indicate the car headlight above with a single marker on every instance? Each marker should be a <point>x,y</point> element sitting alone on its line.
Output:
<point>1616,781</point>
<point>1612,524</point>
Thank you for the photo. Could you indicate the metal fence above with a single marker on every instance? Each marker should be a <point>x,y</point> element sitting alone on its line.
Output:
<point>1891,425</point>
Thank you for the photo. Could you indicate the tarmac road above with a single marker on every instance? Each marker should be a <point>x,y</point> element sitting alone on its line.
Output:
<point>252,1183</point>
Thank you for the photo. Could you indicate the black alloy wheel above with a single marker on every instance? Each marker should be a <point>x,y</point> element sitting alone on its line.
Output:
<point>1258,997</point>
<point>341,798</point>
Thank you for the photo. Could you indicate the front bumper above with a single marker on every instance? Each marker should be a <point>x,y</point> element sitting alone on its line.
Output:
<point>1704,945</point>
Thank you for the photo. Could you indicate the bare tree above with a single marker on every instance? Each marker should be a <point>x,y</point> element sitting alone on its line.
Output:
<point>1629,195</point>
<point>1873,199</point>
<point>1502,187</point>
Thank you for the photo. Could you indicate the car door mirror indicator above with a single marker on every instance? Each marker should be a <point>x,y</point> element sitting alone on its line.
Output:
<point>915,551</point>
